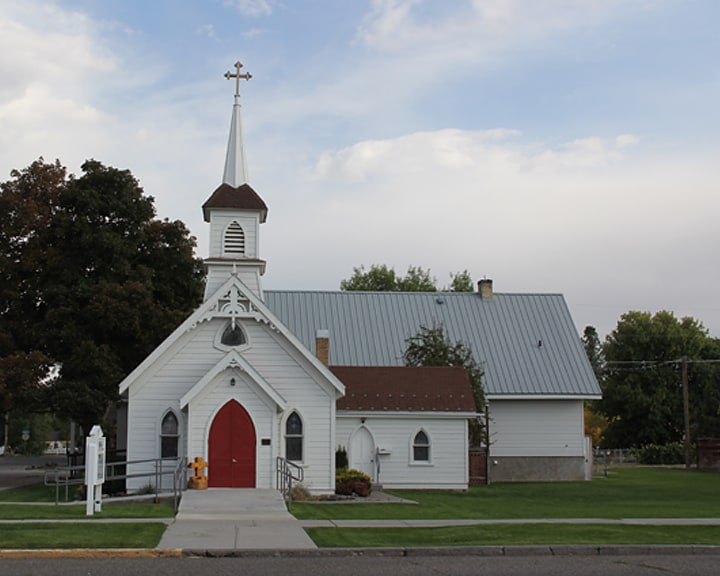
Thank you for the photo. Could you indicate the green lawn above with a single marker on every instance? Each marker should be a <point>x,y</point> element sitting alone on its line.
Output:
<point>624,493</point>
<point>514,534</point>
<point>77,511</point>
<point>120,535</point>
<point>34,493</point>
<point>37,494</point>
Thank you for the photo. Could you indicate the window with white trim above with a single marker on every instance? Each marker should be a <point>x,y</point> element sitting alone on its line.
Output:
<point>421,447</point>
<point>169,436</point>
<point>234,242</point>
<point>294,437</point>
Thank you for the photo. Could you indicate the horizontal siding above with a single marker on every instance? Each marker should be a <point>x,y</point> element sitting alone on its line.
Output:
<point>536,428</point>
<point>220,222</point>
<point>448,437</point>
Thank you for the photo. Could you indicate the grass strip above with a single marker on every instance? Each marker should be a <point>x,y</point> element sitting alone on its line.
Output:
<point>624,493</point>
<point>63,536</point>
<point>78,511</point>
<point>33,493</point>
<point>514,534</point>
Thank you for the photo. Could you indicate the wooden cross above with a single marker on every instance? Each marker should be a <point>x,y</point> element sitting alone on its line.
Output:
<point>238,77</point>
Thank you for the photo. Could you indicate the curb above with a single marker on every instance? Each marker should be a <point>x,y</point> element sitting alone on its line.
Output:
<point>91,553</point>
<point>487,551</point>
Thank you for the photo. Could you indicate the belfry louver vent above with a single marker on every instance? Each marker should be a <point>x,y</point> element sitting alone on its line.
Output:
<point>235,239</point>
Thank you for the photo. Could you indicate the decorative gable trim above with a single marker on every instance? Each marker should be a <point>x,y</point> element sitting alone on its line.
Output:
<point>233,360</point>
<point>232,300</point>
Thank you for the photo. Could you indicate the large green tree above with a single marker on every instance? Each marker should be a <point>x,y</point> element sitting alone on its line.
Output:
<point>642,387</point>
<point>380,278</point>
<point>432,347</point>
<point>93,281</point>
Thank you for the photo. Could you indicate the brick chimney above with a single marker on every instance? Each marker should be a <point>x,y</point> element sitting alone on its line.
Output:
<point>485,288</point>
<point>322,346</point>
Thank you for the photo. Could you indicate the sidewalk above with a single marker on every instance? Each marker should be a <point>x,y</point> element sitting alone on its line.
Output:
<point>450,522</point>
<point>233,519</point>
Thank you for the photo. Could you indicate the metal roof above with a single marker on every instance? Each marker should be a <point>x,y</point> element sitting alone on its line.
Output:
<point>526,344</point>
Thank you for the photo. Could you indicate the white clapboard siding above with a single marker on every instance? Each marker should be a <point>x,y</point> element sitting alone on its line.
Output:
<point>448,466</point>
<point>536,428</point>
<point>277,362</point>
<point>219,224</point>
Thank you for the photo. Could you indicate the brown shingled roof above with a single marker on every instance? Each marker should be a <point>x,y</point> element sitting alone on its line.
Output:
<point>405,389</point>
<point>241,198</point>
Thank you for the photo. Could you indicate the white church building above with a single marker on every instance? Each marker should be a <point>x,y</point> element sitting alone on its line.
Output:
<point>254,376</point>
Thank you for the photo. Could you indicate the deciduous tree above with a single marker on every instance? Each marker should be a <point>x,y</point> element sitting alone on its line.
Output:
<point>642,388</point>
<point>380,278</point>
<point>432,347</point>
<point>93,280</point>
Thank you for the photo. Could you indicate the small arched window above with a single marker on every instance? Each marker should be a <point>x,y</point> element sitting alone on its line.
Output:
<point>294,438</point>
<point>235,239</point>
<point>233,336</point>
<point>421,447</point>
<point>169,436</point>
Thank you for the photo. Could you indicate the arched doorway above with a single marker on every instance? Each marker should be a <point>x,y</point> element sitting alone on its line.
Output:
<point>362,452</point>
<point>232,447</point>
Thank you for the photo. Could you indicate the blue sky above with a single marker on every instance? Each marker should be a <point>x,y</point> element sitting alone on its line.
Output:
<point>555,146</point>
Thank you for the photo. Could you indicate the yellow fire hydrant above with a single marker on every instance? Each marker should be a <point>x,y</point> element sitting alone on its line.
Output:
<point>199,480</point>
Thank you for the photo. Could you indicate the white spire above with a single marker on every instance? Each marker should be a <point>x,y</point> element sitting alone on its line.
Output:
<point>235,173</point>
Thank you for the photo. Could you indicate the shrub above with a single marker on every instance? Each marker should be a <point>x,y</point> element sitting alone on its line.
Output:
<point>341,459</point>
<point>664,454</point>
<point>351,481</point>
<point>300,493</point>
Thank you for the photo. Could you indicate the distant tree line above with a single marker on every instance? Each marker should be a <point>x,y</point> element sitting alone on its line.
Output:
<point>639,368</point>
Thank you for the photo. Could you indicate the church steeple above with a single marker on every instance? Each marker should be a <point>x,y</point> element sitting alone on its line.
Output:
<point>235,212</point>
<point>235,163</point>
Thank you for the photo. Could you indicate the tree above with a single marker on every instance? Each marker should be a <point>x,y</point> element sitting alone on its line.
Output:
<point>461,282</point>
<point>595,422</point>
<point>432,347</point>
<point>593,350</point>
<point>642,388</point>
<point>380,278</point>
<point>94,282</point>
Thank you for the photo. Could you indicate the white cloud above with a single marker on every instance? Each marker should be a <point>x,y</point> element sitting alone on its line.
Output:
<point>47,47</point>
<point>480,28</point>
<point>251,7</point>
<point>207,30</point>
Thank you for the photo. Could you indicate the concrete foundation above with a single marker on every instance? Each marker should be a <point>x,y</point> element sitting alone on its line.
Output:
<point>535,469</point>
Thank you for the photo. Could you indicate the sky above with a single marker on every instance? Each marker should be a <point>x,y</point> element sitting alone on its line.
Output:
<point>559,146</point>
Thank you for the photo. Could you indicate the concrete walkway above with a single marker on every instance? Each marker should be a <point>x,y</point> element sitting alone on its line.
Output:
<point>234,519</point>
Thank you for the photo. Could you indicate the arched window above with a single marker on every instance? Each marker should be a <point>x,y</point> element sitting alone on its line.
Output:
<point>421,447</point>
<point>294,438</point>
<point>233,336</point>
<point>169,436</point>
<point>235,239</point>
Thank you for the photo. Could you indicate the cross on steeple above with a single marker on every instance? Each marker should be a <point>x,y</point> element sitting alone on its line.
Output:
<point>238,76</point>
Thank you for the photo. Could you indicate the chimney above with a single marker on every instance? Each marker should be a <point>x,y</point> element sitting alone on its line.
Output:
<point>322,346</point>
<point>485,288</point>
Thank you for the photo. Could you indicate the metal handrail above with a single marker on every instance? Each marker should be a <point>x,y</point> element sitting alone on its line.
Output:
<point>75,475</point>
<point>286,472</point>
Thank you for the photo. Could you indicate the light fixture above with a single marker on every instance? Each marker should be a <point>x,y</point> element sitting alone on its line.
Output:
<point>232,381</point>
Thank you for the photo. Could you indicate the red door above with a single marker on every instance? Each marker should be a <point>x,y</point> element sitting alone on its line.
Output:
<point>231,458</point>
